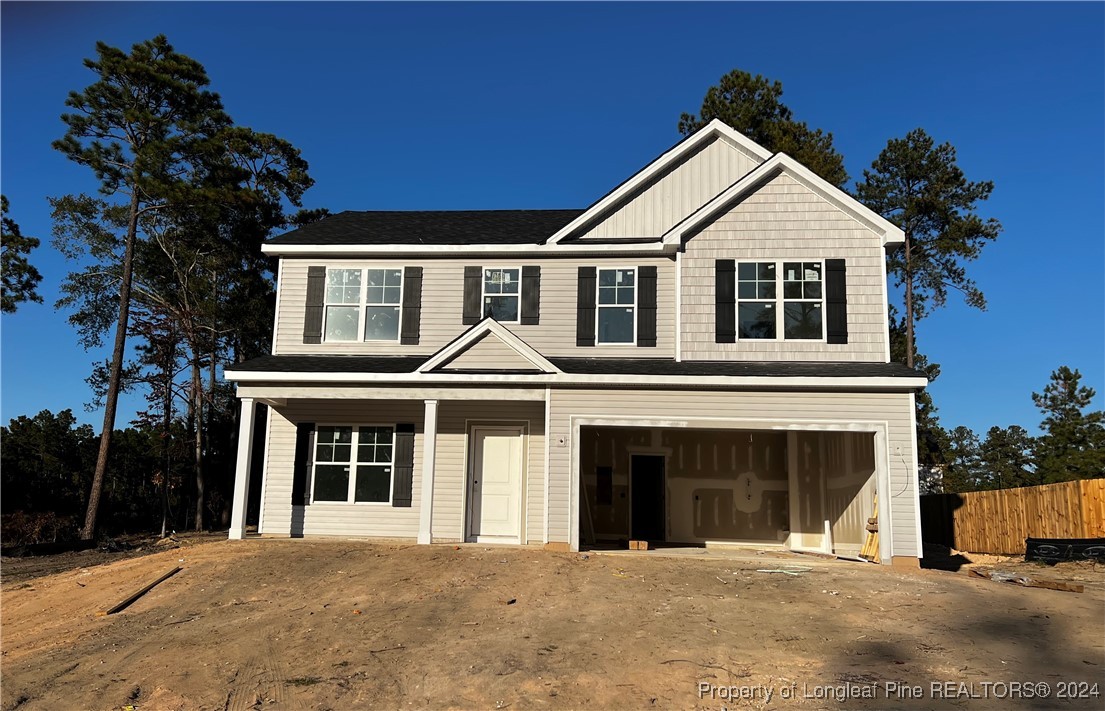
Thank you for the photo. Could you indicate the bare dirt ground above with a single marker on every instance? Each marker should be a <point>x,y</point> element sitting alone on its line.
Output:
<point>327,624</point>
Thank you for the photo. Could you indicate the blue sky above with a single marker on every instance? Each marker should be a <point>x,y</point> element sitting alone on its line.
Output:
<point>431,106</point>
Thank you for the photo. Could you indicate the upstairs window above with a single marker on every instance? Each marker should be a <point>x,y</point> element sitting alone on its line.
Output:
<point>756,313</point>
<point>617,306</point>
<point>383,297</point>
<point>343,304</point>
<point>770,303</point>
<point>802,295</point>
<point>353,464</point>
<point>378,292</point>
<point>501,289</point>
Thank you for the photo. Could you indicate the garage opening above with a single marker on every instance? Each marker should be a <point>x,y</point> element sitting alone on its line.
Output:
<point>808,490</point>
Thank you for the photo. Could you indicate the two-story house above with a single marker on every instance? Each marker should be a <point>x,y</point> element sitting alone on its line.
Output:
<point>701,356</point>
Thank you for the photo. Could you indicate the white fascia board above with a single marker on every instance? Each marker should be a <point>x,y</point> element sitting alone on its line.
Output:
<point>572,379</point>
<point>488,326</point>
<point>781,162</point>
<point>321,250</point>
<point>716,127</point>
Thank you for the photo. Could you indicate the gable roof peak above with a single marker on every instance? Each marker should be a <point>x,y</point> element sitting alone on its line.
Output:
<point>487,327</point>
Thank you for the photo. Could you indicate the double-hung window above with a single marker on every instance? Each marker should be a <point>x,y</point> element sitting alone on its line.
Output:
<point>501,289</point>
<point>353,464</point>
<point>382,299</point>
<point>802,300</point>
<point>774,304</point>
<point>378,292</point>
<point>343,304</point>
<point>617,306</point>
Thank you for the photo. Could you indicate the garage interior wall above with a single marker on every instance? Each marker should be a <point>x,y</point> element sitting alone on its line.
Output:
<point>735,485</point>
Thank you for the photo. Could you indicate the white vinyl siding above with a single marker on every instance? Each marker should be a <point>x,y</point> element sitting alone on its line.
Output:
<point>442,308</point>
<point>451,469</point>
<point>785,222</point>
<point>676,193</point>
<point>892,409</point>
<point>489,353</point>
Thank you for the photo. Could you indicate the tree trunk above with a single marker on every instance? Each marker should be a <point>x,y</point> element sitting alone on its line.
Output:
<point>908,301</point>
<point>117,355</point>
<point>197,411</point>
<point>166,445</point>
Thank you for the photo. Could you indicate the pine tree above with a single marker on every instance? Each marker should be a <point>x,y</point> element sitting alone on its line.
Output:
<point>753,105</point>
<point>918,186</point>
<point>20,278</point>
<point>1073,443</point>
<point>142,128</point>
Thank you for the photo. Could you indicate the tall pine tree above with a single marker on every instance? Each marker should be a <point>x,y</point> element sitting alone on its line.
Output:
<point>141,128</point>
<point>918,186</point>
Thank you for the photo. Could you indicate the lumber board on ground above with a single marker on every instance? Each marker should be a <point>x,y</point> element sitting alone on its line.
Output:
<point>1027,581</point>
<point>126,602</point>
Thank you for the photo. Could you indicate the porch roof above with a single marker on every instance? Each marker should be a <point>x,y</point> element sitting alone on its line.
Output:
<point>657,367</point>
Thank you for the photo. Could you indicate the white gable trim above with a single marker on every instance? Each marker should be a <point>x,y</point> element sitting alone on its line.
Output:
<point>782,163</point>
<point>488,327</point>
<point>715,128</point>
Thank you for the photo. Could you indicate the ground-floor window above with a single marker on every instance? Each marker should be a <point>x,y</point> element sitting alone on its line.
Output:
<point>353,464</point>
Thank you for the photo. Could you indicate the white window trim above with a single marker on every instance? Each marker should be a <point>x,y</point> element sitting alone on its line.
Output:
<point>484,294</point>
<point>598,307</point>
<point>362,304</point>
<point>779,301</point>
<point>351,493</point>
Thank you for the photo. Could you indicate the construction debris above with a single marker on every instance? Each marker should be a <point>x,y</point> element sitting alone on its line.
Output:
<point>1001,576</point>
<point>870,550</point>
<point>794,571</point>
<point>126,602</point>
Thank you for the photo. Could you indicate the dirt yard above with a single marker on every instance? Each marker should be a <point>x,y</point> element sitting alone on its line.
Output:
<point>290,624</point>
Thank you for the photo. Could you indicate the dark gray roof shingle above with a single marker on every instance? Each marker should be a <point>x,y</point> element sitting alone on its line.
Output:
<point>330,364</point>
<point>438,227</point>
<point>658,367</point>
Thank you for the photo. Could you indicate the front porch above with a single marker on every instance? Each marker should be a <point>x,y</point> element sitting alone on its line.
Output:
<point>438,465</point>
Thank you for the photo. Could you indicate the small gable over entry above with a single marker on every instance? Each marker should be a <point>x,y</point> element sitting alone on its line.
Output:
<point>488,346</point>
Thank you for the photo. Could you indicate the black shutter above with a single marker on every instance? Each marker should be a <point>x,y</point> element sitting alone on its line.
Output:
<point>473,293</point>
<point>403,483</point>
<point>412,306</point>
<point>646,306</point>
<point>312,314</point>
<point>304,455</point>
<point>585,307</point>
<point>531,296</point>
<point>836,302</point>
<point>725,301</point>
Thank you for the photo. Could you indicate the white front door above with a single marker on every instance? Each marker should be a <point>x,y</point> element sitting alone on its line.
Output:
<point>496,484</point>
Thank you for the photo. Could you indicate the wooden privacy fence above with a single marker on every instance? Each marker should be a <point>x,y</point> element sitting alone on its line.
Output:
<point>998,521</point>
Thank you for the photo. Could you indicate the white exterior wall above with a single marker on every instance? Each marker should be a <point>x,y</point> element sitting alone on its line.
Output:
<point>443,306</point>
<point>752,410</point>
<point>785,221</point>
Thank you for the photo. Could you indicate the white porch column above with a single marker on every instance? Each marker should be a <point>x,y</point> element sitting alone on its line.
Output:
<point>429,450</point>
<point>241,473</point>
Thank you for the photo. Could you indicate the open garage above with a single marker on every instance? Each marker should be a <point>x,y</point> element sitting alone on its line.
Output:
<point>800,489</point>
